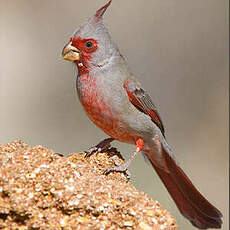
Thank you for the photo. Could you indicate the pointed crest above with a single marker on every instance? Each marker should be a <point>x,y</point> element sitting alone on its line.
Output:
<point>101,11</point>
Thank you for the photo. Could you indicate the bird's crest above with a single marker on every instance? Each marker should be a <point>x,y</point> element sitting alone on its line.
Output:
<point>99,14</point>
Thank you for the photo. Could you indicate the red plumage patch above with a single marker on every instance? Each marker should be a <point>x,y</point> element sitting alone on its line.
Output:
<point>86,47</point>
<point>81,44</point>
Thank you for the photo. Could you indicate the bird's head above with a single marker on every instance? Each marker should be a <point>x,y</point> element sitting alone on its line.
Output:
<point>91,45</point>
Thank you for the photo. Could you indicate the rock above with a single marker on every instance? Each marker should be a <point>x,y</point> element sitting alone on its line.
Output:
<point>43,190</point>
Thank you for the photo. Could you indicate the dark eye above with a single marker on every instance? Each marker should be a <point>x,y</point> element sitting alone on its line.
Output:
<point>89,44</point>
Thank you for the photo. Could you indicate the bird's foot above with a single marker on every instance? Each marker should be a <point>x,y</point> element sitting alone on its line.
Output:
<point>119,168</point>
<point>124,167</point>
<point>100,147</point>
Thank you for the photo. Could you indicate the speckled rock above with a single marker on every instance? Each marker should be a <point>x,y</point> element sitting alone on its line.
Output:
<point>42,190</point>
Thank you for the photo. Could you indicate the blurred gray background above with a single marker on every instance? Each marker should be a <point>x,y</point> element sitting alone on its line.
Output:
<point>178,50</point>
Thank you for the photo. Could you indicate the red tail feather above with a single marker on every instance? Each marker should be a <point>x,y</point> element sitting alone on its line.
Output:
<point>188,199</point>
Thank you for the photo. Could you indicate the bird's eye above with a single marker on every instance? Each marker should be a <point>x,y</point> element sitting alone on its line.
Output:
<point>89,44</point>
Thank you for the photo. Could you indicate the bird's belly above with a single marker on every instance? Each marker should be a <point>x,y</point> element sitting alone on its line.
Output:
<point>100,110</point>
<point>102,116</point>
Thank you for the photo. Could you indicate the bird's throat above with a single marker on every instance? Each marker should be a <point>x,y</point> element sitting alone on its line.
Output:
<point>82,68</point>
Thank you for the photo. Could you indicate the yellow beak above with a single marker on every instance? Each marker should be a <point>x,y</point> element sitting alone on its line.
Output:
<point>70,53</point>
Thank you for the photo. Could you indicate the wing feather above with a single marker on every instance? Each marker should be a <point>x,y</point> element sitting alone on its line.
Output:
<point>142,101</point>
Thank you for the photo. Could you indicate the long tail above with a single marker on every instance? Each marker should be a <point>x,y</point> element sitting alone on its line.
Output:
<point>188,199</point>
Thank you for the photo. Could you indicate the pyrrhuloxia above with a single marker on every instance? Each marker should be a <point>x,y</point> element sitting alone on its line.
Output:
<point>115,101</point>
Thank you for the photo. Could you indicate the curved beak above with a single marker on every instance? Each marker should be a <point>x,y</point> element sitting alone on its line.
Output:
<point>70,53</point>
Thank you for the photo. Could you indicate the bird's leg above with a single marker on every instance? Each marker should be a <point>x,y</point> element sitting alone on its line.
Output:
<point>101,146</point>
<point>124,167</point>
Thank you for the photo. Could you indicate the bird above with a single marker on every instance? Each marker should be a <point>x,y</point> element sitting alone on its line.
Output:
<point>117,103</point>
